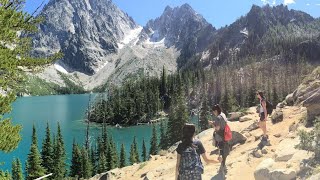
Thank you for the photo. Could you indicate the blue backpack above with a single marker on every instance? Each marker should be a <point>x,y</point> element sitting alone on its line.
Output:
<point>190,161</point>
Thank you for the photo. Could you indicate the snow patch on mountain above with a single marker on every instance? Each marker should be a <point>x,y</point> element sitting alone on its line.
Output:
<point>59,68</point>
<point>88,4</point>
<point>132,35</point>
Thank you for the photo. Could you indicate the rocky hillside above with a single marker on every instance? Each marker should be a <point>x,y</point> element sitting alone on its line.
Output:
<point>280,160</point>
<point>267,31</point>
<point>84,31</point>
<point>308,95</point>
<point>112,47</point>
<point>103,44</point>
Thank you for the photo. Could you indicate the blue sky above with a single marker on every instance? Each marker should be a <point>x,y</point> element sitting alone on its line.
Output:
<point>217,12</point>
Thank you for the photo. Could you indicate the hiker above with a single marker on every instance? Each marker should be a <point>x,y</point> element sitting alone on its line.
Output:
<point>263,115</point>
<point>189,165</point>
<point>219,137</point>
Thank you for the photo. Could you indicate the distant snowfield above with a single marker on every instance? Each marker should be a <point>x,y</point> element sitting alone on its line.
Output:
<point>60,68</point>
<point>132,35</point>
<point>116,67</point>
<point>156,44</point>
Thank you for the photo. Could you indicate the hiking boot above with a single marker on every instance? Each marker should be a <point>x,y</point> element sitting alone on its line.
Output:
<point>265,138</point>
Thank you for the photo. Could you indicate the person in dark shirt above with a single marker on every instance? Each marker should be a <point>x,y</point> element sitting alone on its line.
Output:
<point>189,143</point>
<point>219,125</point>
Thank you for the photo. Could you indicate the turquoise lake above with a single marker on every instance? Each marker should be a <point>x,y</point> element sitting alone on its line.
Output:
<point>69,111</point>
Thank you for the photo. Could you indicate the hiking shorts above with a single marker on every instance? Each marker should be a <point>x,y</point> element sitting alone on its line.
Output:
<point>262,116</point>
<point>224,148</point>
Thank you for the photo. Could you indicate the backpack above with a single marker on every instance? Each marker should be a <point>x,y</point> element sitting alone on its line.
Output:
<point>269,107</point>
<point>227,131</point>
<point>190,161</point>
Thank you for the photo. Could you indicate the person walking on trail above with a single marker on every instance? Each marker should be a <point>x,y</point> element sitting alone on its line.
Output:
<point>189,165</point>
<point>219,137</point>
<point>263,115</point>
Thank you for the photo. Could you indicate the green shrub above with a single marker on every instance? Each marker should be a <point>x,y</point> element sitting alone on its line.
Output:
<point>310,141</point>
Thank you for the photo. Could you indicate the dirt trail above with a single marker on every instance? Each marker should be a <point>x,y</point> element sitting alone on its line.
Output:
<point>241,164</point>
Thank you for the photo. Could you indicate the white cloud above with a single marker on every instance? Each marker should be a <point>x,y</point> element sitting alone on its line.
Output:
<point>308,4</point>
<point>317,4</point>
<point>286,2</point>
<point>270,2</point>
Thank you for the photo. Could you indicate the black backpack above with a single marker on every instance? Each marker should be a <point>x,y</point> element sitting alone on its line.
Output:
<point>269,107</point>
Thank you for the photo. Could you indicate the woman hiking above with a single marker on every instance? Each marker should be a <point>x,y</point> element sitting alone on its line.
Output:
<point>263,115</point>
<point>189,165</point>
<point>218,135</point>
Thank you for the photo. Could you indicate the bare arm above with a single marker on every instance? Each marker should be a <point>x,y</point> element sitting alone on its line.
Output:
<point>207,160</point>
<point>177,165</point>
<point>264,105</point>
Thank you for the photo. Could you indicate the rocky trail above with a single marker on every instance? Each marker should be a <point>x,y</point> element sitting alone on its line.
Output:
<point>280,160</point>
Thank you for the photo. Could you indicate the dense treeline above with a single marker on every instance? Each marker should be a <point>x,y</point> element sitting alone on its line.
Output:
<point>100,157</point>
<point>233,86</point>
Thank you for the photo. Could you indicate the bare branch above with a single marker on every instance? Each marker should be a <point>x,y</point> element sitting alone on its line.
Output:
<point>31,16</point>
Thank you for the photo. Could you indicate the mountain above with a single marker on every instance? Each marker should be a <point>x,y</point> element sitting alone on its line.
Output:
<point>102,44</point>
<point>84,31</point>
<point>179,27</point>
<point>264,30</point>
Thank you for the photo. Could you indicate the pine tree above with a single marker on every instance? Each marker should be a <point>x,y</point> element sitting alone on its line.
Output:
<point>204,114</point>
<point>275,97</point>
<point>59,157</point>
<point>132,158</point>
<point>115,155</point>
<point>251,98</point>
<point>76,161</point>
<point>47,152</point>
<point>105,138</point>
<point>144,151</point>
<point>5,175</point>
<point>122,156</point>
<point>136,151</point>
<point>154,142</point>
<point>34,168</point>
<point>86,164</point>
<point>177,118</point>
<point>14,19</point>
<point>163,137</point>
<point>112,157</point>
<point>93,161</point>
<point>16,170</point>
<point>102,163</point>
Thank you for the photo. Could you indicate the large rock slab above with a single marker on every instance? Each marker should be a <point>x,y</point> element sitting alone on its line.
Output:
<point>265,171</point>
<point>262,171</point>
<point>308,95</point>
<point>313,106</point>
<point>252,127</point>
<point>149,176</point>
<point>283,174</point>
<point>286,149</point>
<point>289,100</point>
<point>315,177</point>
<point>277,116</point>
<point>237,138</point>
<point>235,116</point>
<point>245,118</point>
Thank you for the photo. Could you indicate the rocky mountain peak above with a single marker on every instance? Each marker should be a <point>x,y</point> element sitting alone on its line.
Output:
<point>177,26</point>
<point>85,31</point>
